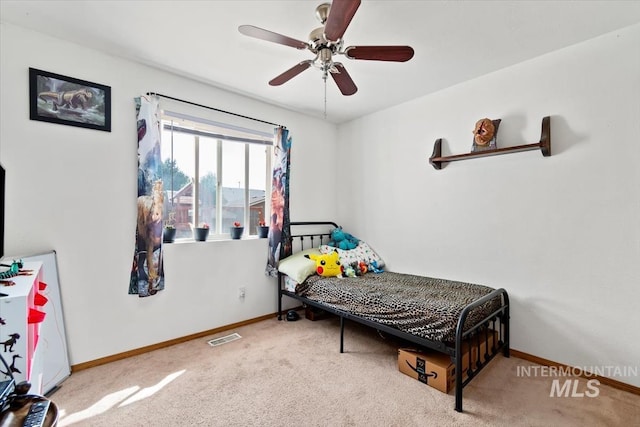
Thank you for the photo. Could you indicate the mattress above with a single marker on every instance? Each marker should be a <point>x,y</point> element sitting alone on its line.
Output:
<point>422,306</point>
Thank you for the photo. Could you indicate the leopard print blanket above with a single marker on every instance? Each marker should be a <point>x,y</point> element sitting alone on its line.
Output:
<point>422,306</point>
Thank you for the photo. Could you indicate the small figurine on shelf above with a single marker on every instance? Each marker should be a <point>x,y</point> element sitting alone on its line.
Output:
<point>485,134</point>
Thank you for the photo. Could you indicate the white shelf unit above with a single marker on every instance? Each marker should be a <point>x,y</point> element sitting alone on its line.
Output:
<point>22,313</point>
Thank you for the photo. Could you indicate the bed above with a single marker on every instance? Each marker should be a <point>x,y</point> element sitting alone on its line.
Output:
<point>432,313</point>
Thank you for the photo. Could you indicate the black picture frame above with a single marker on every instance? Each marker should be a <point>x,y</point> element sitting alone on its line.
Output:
<point>65,100</point>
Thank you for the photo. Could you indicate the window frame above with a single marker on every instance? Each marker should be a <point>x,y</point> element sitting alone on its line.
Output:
<point>168,124</point>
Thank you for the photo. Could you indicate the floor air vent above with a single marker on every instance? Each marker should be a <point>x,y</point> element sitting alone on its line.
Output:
<point>223,340</point>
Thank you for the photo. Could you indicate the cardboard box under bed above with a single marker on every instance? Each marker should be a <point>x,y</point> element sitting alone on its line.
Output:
<point>437,369</point>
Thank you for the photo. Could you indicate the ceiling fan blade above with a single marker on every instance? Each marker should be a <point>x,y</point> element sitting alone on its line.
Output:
<point>340,15</point>
<point>290,73</point>
<point>259,33</point>
<point>380,53</point>
<point>343,80</point>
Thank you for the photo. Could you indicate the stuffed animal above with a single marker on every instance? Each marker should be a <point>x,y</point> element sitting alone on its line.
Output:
<point>342,240</point>
<point>373,266</point>
<point>356,268</point>
<point>327,265</point>
<point>362,266</point>
<point>350,272</point>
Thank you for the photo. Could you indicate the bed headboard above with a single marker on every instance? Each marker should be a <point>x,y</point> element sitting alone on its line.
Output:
<point>309,234</point>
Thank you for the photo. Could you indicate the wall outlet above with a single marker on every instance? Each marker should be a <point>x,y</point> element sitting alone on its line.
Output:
<point>241,292</point>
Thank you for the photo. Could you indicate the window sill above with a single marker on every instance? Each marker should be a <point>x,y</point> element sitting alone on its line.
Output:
<point>213,240</point>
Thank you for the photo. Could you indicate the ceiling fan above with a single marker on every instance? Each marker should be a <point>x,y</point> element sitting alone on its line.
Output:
<point>326,42</point>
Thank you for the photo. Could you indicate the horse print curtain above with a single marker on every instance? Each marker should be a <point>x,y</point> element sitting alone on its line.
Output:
<point>279,228</point>
<point>147,274</point>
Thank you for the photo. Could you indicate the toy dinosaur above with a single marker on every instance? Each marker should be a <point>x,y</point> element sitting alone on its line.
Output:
<point>350,272</point>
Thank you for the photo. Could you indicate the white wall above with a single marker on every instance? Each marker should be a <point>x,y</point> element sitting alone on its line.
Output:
<point>74,190</point>
<point>561,233</point>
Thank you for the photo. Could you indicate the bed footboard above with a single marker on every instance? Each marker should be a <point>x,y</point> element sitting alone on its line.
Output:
<point>493,330</point>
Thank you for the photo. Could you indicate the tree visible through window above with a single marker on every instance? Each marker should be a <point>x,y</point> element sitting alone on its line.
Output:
<point>213,175</point>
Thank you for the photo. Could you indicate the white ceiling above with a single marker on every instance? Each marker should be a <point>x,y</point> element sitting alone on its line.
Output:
<point>454,41</point>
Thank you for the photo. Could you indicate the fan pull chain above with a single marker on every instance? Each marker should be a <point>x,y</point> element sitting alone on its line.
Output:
<point>325,94</point>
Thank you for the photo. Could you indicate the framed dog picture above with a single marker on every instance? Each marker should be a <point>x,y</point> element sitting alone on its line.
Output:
<point>55,98</point>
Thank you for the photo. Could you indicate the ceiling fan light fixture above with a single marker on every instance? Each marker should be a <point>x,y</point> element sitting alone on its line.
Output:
<point>322,12</point>
<point>316,37</point>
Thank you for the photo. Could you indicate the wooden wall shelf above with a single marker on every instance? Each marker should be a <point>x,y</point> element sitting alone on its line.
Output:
<point>437,159</point>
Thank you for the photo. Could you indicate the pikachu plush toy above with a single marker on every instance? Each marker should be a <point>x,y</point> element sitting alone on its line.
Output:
<point>327,265</point>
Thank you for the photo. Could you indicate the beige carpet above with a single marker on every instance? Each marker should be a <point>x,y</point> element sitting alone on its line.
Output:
<point>292,374</point>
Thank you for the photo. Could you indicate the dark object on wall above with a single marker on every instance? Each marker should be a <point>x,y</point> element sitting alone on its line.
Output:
<point>292,316</point>
<point>55,98</point>
<point>2,196</point>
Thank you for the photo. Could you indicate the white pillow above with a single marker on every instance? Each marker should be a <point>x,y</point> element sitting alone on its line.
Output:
<point>289,284</point>
<point>297,266</point>
<point>362,252</point>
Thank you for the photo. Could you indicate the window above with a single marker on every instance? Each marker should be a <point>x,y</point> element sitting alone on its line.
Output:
<point>213,173</point>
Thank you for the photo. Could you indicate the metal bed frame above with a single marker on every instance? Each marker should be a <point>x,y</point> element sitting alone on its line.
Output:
<point>496,321</point>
